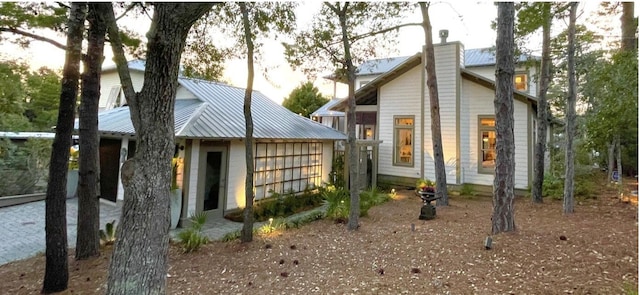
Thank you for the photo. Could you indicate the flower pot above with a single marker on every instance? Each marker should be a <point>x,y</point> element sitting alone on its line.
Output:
<point>175,197</point>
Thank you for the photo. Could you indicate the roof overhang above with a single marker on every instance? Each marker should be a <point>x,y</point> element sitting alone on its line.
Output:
<point>367,94</point>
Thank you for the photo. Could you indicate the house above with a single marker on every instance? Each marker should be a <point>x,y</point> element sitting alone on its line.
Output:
<point>392,106</point>
<point>291,152</point>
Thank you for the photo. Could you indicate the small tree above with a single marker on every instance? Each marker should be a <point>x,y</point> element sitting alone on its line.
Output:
<point>304,99</point>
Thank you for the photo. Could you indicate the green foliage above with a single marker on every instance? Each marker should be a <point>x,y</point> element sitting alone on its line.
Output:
<point>422,183</point>
<point>108,234</point>
<point>281,205</point>
<point>338,201</point>
<point>336,177</point>
<point>467,190</point>
<point>305,99</point>
<point>28,100</point>
<point>192,238</point>
<point>23,166</point>
<point>272,226</point>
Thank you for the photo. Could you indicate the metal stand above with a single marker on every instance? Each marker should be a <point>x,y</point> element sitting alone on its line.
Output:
<point>428,211</point>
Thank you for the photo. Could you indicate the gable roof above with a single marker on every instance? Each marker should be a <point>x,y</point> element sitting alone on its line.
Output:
<point>217,112</point>
<point>366,94</point>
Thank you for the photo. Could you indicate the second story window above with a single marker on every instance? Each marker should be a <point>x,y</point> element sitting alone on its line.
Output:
<point>521,82</point>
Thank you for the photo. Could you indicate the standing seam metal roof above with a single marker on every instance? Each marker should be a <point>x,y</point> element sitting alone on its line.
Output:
<point>218,112</point>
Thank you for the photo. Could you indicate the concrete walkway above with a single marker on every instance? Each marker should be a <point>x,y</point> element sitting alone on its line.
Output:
<point>22,233</point>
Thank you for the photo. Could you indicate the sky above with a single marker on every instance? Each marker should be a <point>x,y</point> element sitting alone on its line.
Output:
<point>467,21</point>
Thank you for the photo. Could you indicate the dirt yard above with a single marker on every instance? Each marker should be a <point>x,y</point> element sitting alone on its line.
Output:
<point>593,251</point>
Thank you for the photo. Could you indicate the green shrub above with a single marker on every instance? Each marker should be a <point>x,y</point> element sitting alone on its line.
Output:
<point>370,198</point>
<point>467,190</point>
<point>553,186</point>
<point>192,239</point>
<point>23,166</point>
<point>108,235</point>
<point>278,205</point>
<point>337,203</point>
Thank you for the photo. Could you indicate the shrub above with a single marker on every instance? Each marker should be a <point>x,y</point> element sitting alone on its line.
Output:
<point>192,239</point>
<point>23,166</point>
<point>467,190</point>
<point>338,203</point>
<point>370,198</point>
<point>281,205</point>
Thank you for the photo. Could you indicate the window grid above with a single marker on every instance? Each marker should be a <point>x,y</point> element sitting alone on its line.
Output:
<point>282,167</point>
<point>403,138</point>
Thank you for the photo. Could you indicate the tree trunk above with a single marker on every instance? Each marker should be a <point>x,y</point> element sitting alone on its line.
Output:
<point>139,261</point>
<point>56,276</point>
<point>247,228</point>
<point>88,238</point>
<point>354,209</point>
<point>503,219</point>
<point>570,113</point>
<point>543,117</point>
<point>629,26</point>
<point>619,160</point>
<point>432,85</point>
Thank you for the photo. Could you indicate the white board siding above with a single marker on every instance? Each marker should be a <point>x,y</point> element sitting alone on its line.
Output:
<point>447,71</point>
<point>490,73</point>
<point>478,100</point>
<point>399,97</point>
<point>110,79</point>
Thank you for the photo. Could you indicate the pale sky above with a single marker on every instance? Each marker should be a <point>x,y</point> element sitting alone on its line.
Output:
<point>467,21</point>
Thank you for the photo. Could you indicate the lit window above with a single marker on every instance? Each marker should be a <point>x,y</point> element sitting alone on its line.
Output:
<point>403,141</point>
<point>487,144</point>
<point>520,82</point>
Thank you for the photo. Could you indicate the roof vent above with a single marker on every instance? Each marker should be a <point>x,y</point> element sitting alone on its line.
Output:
<point>443,36</point>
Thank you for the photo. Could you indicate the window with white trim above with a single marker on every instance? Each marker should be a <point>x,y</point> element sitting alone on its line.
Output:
<point>486,144</point>
<point>403,138</point>
<point>521,82</point>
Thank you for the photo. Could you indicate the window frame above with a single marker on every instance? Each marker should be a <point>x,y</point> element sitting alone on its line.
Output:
<point>481,169</point>
<point>525,83</point>
<point>396,144</point>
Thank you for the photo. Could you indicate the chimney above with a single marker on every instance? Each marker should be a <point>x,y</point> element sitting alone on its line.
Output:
<point>443,36</point>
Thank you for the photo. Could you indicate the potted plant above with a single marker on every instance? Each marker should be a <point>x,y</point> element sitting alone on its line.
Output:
<point>176,193</point>
<point>425,185</point>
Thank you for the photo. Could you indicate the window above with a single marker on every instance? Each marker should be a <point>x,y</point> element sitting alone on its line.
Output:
<point>487,144</point>
<point>520,82</point>
<point>403,141</point>
<point>286,167</point>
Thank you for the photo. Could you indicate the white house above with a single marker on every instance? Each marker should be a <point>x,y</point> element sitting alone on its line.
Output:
<point>291,152</point>
<point>393,106</point>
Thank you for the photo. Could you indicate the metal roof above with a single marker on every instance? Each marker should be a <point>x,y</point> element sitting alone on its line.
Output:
<point>218,113</point>
<point>486,57</point>
<point>137,65</point>
<point>379,66</point>
<point>325,110</point>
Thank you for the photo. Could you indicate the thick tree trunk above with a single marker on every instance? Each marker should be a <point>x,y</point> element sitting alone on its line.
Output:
<point>56,276</point>
<point>570,114</point>
<point>503,219</point>
<point>247,228</point>
<point>139,261</point>
<point>432,85</point>
<point>88,238</point>
<point>543,120</point>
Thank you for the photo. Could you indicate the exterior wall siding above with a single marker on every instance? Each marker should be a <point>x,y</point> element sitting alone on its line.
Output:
<point>479,100</point>
<point>399,97</point>
<point>490,72</point>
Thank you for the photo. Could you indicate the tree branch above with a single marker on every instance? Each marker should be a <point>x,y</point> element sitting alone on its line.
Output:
<point>34,36</point>
<point>358,37</point>
<point>129,8</point>
<point>121,60</point>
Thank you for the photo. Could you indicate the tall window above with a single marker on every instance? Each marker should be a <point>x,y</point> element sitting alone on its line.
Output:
<point>487,144</point>
<point>520,82</point>
<point>403,140</point>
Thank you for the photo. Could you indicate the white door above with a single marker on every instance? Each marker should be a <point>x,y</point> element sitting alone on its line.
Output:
<point>212,188</point>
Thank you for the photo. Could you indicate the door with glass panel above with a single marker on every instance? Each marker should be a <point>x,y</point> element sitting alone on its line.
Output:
<point>213,181</point>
